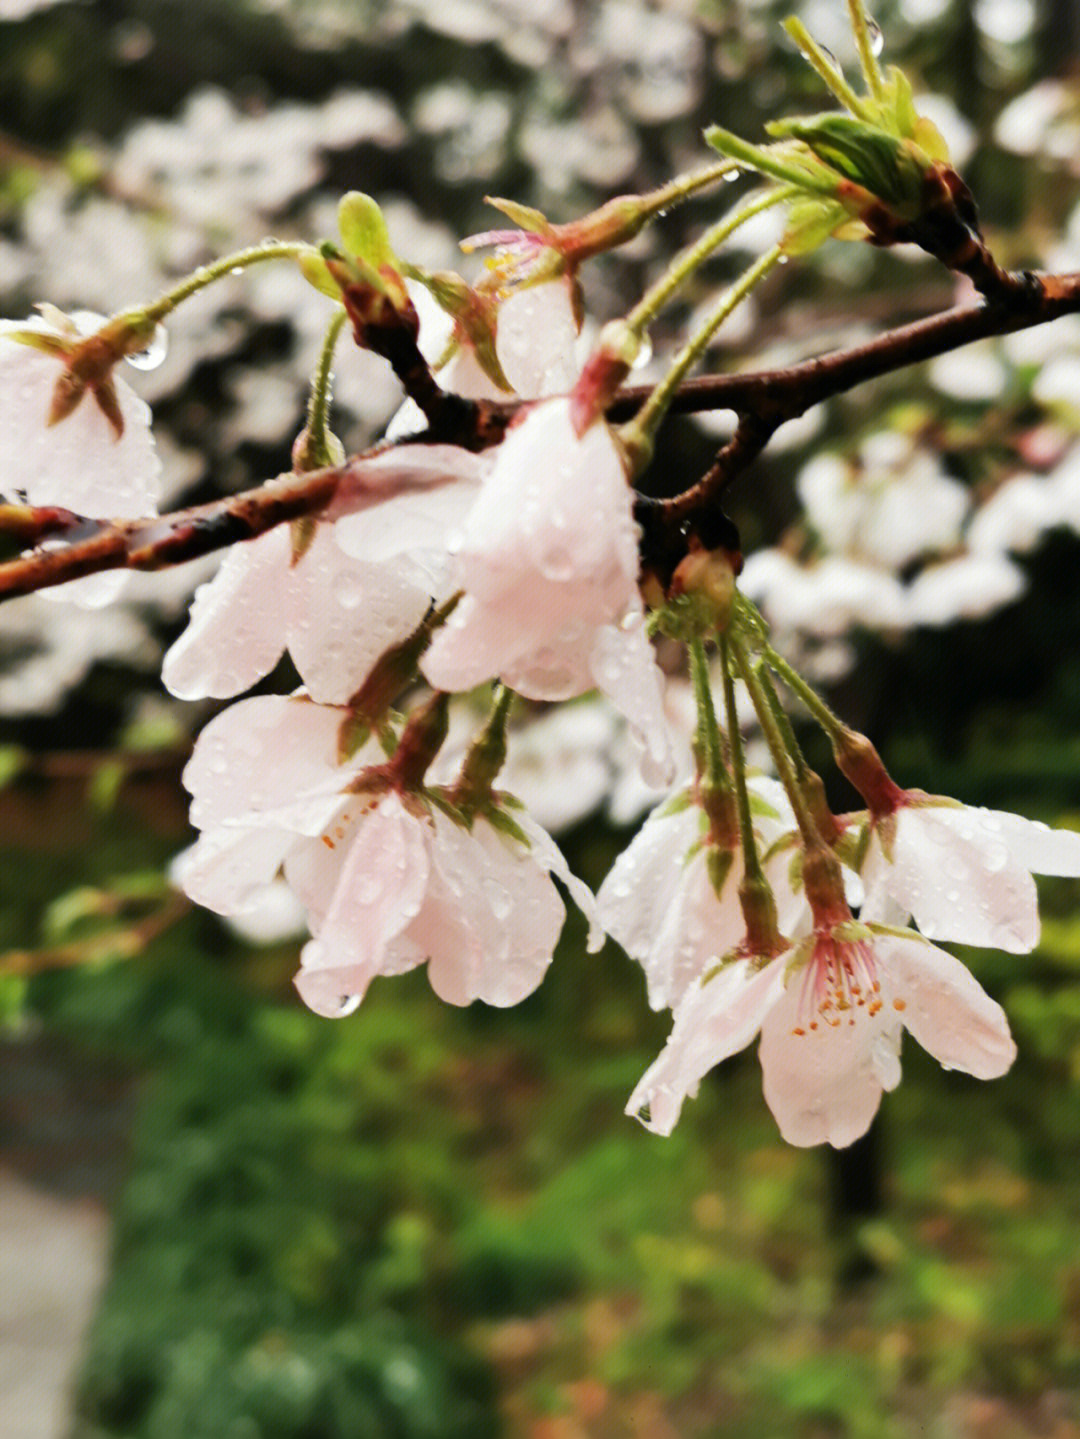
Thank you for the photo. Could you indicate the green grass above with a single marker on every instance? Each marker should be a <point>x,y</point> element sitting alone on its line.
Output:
<point>426,1222</point>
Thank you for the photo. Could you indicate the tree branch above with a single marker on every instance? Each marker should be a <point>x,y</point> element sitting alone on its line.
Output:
<point>763,400</point>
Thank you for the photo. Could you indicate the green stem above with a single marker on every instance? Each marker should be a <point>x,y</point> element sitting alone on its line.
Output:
<point>707,741</point>
<point>794,749</point>
<point>318,410</point>
<point>751,858</point>
<point>209,274</point>
<point>831,723</point>
<point>691,259</point>
<point>830,73</point>
<point>682,187</point>
<point>638,434</point>
<point>860,26</point>
<point>486,756</point>
<point>777,748</point>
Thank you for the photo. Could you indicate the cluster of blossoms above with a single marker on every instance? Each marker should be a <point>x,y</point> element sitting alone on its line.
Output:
<point>519,557</point>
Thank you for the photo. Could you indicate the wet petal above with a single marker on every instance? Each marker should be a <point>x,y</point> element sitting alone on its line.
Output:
<point>715,1020</point>
<point>947,1010</point>
<point>236,632</point>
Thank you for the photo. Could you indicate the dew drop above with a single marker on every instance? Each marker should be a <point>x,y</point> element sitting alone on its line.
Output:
<point>645,353</point>
<point>877,39</point>
<point>154,354</point>
<point>498,898</point>
<point>557,563</point>
<point>783,259</point>
<point>829,56</point>
<point>730,176</point>
<point>348,591</point>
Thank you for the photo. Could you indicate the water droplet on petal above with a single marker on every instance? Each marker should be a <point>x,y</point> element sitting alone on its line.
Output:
<point>154,354</point>
<point>348,591</point>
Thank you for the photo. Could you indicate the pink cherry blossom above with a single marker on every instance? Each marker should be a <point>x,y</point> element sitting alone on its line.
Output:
<point>659,902</point>
<point>831,1012</point>
<point>965,874</point>
<point>79,463</point>
<point>548,565</point>
<point>388,880</point>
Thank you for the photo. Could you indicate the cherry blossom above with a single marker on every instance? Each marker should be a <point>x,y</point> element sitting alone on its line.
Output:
<point>475,903</point>
<point>344,601</point>
<point>659,899</point>
<point>964,873</point>
<point>831,1012</point>
<point>548,565</point>
<point>388,880</point>
<point>80,463</point>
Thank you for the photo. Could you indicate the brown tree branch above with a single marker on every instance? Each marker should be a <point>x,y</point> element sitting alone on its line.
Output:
<point>76,545</point>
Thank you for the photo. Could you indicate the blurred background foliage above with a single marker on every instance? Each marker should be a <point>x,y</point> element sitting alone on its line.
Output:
<point>424,1222</point>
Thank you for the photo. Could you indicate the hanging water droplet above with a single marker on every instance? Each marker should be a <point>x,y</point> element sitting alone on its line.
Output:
<point>154,354</point>
<point>829,56</point>
<point>645,353</point>
<point>877,39</point>
<point>730,176</point>
<point>783,259</point>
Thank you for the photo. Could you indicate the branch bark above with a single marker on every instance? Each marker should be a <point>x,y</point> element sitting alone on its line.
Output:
<point>77,545</point>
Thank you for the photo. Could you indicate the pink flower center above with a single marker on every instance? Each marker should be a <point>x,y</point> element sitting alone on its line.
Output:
<point>840,978</point>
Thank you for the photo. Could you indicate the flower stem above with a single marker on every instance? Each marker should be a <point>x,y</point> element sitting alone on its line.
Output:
<point>682,187</point>
<point>755,893</point>
<point>691,259</point>
<point>707,744</point>
<point>218,269</point>
<point>831,723</point>
<point>826,68</point>
<point>318,409</point>
<point>860,26</point>
<point>485,758</point>
<point>751,859</point>
<point>638,434</point>
<point>774,738</point>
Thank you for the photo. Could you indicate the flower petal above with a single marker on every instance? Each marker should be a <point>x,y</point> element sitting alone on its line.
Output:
<point>946,1009</point>
<point>380,889</point>
<point>824,1085</point>
<point>236,632</point>
<point>714,1020</point>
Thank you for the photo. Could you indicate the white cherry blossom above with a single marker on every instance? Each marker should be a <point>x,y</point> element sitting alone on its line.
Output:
<point>79,463</point>
<point>659,903</point>
<point>831,1012</point>
<point>387,880</point>
<point>548,565</point>
<point>344,602</point>
<point>964,873</point>
<point>475,903</point>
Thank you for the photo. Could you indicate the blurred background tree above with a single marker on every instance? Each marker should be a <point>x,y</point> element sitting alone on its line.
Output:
<point>422,1222</point>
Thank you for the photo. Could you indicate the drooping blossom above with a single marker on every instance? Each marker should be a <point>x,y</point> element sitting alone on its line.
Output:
<point>478,905</point>
<point>831,1012</point>
<point>335,610</point>
<point>548,565</point>
<point>660,900</point>
<point>964,873</point>
<point>388,879</point>
<point>366,579</point>
<point>80,463</point>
